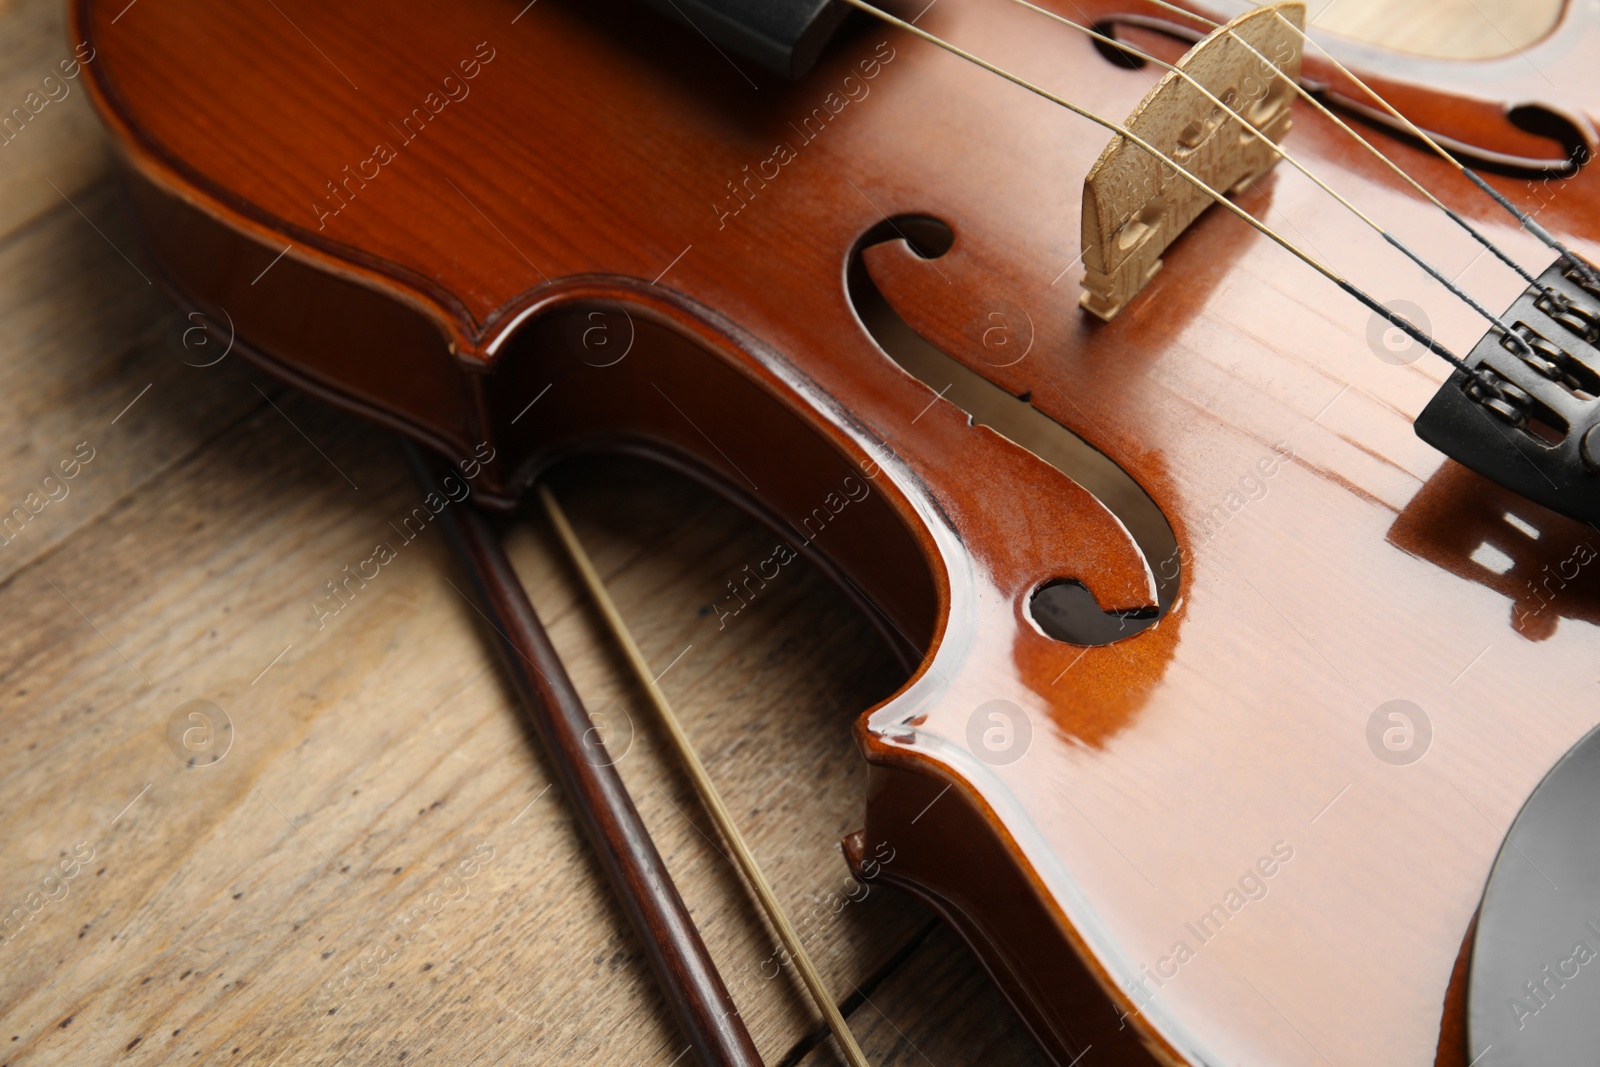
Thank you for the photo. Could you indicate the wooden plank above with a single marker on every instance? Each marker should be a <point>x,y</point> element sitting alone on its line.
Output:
<point>937,1007</point>
<point>97,362</point>
<point>375,870</point>
<point>776,742</point>
<point>97,365</point>
<point>362,773</point>
<point>52,136</point>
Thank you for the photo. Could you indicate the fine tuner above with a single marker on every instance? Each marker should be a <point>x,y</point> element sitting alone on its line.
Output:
<point>1530,423</point>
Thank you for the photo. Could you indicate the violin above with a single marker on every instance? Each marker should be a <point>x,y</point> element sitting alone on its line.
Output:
<point>1093,387</point>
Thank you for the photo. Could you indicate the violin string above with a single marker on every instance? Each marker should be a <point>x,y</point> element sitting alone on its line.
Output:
<point>1395,319</point>
<point>1311,98</point>
<point>1525,220</point>
<point>704,786</point>
<point>1497,324</point>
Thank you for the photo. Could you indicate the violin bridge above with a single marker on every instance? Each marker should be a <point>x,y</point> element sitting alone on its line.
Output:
<point>1135,205</point>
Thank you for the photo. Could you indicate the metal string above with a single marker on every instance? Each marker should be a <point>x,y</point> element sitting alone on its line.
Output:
<point>1497,324</point>
<point>709,796</point>
<point>1400,322</point>
<point>1525,220</point>
<point>1311,98</point>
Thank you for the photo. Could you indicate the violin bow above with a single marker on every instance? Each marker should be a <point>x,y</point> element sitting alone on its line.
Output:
<point>638,876</point>
<point>678,956</point>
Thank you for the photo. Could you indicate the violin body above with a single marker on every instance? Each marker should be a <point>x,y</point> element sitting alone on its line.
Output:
<point>519,238</point>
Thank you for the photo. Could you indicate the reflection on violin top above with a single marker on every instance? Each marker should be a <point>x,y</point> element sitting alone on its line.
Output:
<point>1476,530</point>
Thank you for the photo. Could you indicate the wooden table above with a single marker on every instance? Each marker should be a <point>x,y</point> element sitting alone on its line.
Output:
<point>377,868</point>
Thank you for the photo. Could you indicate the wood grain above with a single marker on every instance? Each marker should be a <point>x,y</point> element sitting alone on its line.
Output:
<point>1450,29</point>
<point>266,909</point>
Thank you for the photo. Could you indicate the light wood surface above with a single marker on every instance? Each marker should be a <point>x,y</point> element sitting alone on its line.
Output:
<point>377,765</point>
<point>1452,29</point>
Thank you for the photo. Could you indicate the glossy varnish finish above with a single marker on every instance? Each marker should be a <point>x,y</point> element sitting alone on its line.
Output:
<point>588,167</point>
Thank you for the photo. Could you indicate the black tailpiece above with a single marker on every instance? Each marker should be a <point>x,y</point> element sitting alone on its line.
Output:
<point>1529,417</point>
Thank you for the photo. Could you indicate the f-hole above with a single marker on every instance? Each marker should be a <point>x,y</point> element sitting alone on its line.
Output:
<point>1544,121</point>
<point>1062,605</point>
<point>1112,54</point>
